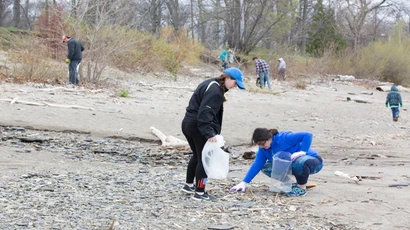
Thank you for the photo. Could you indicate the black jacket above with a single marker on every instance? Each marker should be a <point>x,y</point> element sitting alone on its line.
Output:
<point>206,107</point>
<point>74,49</point>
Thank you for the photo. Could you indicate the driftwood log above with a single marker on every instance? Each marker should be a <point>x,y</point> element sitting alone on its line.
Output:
<point>357,99</point>
<point>71,90</point>
<point>17,101</point>
<point>169,141</point>
<point>345,175</point>
<point>165,86</point>
<point>344,78</point>
<point>386,88</point>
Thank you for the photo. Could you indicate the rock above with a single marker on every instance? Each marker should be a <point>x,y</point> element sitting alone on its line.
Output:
<point>33,139</point>
<point>249,155</point>
<point>16,128</point>
<point>221,227</point>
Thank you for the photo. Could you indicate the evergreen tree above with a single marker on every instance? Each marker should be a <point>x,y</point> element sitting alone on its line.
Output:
<point>323,34</point>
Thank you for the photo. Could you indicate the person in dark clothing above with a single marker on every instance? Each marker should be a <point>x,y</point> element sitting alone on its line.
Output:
<point>394,100</point>
<point>74,57</point>
<point>202,122</point>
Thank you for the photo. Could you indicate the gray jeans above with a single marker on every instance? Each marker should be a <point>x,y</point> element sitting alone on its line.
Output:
<point>73,71</point>
<point>282,74</point>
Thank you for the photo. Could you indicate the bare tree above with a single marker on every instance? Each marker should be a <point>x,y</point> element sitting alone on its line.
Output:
<point>202,21</point>
<point>192,19</point>
<point>107,37</point>
<point>402,11</point>
<point>353,18</point>
<point>26,9</point>
<point>4,11</point>
<point>248,22</point>
<point>16,13</point>
<point>174,12</point>
<point>74,5</point>
<point>303,15</point>
<point>156,15</point>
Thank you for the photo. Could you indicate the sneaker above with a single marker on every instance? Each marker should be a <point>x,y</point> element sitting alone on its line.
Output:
<point>204,196</point>
<point>188,190</point>
<point>297,191</point>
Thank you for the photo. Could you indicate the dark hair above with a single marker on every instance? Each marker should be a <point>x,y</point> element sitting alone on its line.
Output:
<point>253,59</point>
<point>262,134</point>
<point>221,81</point>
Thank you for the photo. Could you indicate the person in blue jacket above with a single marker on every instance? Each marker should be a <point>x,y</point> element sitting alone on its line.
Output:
<point>224,56</point>
<point>202,122</point>
<point>305,161</point>
<point>394,100</point>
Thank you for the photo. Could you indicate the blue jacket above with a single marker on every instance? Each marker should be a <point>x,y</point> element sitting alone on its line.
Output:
<point>282,141</point>
<point>224,56</point>
<point>393,97</point>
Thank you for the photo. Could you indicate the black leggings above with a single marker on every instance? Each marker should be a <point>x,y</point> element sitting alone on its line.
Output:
<point>196,143</point>
<point>304,166</point>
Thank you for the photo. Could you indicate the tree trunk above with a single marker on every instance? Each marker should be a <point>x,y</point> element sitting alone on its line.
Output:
<point>173,8</point>
<point>27,8</point>
<point>16,13</point>
<point>156,13</point>
<point>303,29</point>
<point>217,29</point>
<point>202,22</point>
<point>192,19</point>
<point>47,9</point>
<point>74,8</point>
<point>26,15</point>
<point>237,15</point>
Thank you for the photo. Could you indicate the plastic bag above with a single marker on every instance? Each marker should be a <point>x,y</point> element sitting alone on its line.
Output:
<point>281,172</point>
<point>215,160</point>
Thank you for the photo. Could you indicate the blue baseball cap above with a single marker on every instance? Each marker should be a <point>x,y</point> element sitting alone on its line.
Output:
<point>236,74</point>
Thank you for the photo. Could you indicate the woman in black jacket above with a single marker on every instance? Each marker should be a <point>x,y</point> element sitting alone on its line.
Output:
<point>202,122</point>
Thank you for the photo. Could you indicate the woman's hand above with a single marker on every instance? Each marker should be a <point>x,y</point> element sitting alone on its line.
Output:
<point>296,155</point>
<point>212,139</point>
<point>239,187</point>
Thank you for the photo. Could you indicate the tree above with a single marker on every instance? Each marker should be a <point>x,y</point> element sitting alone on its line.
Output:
<point>354,16</point>
<point>174,12</point>
<point>4,11</point>
<point>247,23</point>
<point>303,24</point>
<point>322,33</point>
<point>156,15</point>
<point>16,13</point>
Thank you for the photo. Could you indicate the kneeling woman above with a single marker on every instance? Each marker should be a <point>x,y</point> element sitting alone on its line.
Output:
<point>305,161</point>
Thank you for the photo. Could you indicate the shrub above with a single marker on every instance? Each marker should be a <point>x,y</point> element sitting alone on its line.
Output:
<point>32,62</point>
<point>300,84</point>
<point>385,60</point>
<point>172,49</point>
<point>124,93</point>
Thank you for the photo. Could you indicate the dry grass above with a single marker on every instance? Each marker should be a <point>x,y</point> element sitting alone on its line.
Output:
<point>30,61</point>
<point>300,84</point>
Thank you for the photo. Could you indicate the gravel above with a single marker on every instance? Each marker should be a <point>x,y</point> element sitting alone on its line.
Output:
<point>131,185</point>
